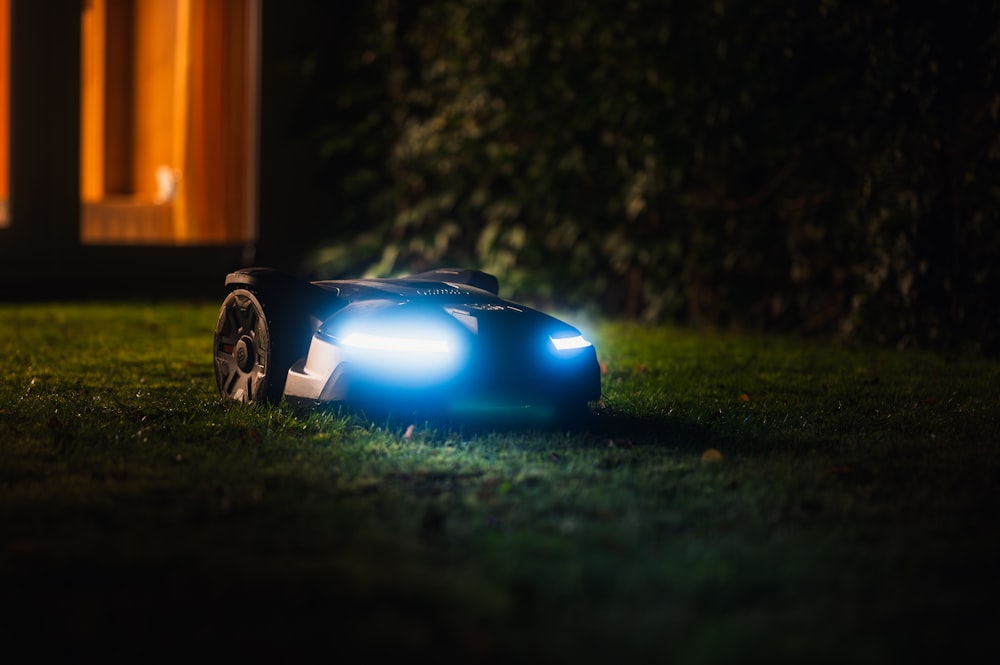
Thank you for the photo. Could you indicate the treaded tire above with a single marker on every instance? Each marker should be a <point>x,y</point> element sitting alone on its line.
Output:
<point>252,350</point>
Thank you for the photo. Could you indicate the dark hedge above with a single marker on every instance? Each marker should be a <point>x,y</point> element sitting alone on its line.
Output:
<point>825,167</point>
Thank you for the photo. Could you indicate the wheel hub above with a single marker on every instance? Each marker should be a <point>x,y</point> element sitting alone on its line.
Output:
<point>244,353</point>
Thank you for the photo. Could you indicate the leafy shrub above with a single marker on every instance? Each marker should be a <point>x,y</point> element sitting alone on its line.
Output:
<point>825,168</point>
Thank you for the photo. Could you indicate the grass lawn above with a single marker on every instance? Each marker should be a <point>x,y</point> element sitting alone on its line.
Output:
<point>732,499</point>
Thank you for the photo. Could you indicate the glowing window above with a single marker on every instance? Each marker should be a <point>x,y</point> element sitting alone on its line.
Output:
<point>168,121</point>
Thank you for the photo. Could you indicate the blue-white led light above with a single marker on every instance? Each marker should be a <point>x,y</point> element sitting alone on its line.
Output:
<point>569,343</point>
<point>367,341</point>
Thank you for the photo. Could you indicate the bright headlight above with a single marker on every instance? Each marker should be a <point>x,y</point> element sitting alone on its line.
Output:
<point>568,343</point>
<point>371,342</point>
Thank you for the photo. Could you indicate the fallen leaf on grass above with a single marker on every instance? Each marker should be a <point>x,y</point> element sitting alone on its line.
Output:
<point>711,455</point>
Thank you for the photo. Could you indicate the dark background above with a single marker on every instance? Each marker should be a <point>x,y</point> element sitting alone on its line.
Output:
<point>827,167</point>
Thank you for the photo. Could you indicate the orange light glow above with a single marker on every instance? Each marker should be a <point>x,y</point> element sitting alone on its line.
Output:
<point>4,110</point>
<point>168,107</point>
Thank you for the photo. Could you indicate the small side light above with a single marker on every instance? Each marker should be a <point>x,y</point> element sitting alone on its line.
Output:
<point>569,343</point>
